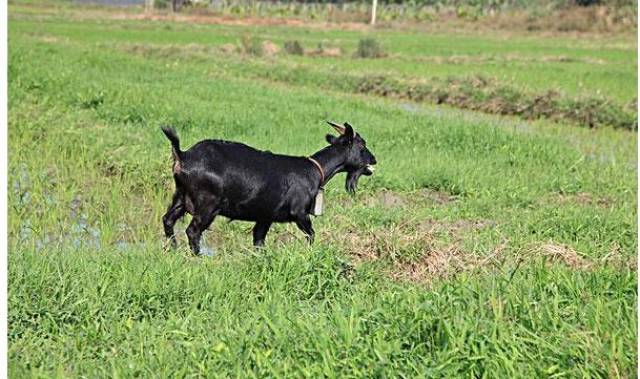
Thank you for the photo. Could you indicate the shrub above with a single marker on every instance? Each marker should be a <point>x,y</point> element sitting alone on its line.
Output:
<point>369,48</point>
<point>293,47</point>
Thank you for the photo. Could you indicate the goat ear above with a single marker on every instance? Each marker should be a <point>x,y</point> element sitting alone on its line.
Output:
<point>331,139</point>
<point>339,128</point>
<point>349,133</point>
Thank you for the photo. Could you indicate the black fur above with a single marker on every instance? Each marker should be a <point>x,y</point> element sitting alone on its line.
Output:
<point>234,180</point>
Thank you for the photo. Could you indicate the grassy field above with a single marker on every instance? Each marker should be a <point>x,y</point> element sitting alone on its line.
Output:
<point>484,245</point>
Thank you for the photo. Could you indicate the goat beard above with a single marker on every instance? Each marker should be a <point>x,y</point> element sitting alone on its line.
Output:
<point>351,183</point>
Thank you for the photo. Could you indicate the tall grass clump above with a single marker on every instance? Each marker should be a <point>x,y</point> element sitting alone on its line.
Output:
<point>369,48</point>
<point>293,47</point>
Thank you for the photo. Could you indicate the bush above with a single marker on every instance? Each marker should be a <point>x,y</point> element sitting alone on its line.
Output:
<point>293,47</point>
<point>369,48</point>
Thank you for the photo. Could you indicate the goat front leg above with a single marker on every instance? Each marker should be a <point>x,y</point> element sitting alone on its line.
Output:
<point>304,224</point>
<point>259,233</point>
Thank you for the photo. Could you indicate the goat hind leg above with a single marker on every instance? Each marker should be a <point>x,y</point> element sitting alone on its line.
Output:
<point>174,213</point>
<point>199,223</point>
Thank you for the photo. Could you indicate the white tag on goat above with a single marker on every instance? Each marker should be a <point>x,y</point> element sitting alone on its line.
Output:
<point>318,203</point>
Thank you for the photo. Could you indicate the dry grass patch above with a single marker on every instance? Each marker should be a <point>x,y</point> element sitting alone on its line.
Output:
<point>566,255</point>
<point>269,48</point>
<point>448,261</point>
<point>444,263</point>
<point>434,249</point>
<point>418,251</point>
<point>559,253</point>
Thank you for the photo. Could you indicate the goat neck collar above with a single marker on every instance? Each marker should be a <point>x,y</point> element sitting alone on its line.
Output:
<point>315,162</point>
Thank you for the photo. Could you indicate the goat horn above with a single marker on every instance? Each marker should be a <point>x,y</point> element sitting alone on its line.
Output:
<point>339,128</point>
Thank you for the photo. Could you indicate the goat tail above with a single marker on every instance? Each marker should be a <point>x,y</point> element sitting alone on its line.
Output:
<point>175,147</point>
<point>175,141</point>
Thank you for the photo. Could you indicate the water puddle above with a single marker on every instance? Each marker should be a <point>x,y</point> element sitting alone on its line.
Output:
<point>206,251</point>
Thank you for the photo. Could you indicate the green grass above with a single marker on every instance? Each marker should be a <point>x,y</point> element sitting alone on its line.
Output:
<point>604,65</point>
<point>93,293</point>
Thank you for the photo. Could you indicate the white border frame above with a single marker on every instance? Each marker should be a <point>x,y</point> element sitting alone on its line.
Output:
<point>4,200</point>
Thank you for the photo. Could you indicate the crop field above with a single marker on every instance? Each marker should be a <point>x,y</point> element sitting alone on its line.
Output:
<point>497,238</point>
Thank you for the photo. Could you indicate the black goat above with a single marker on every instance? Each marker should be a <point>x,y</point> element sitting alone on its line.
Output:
<point>239,182</point>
